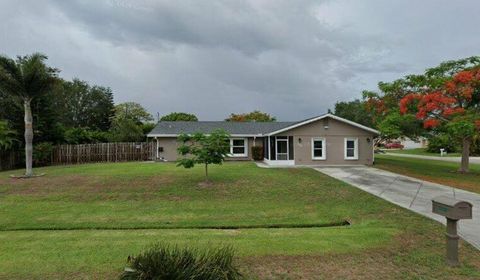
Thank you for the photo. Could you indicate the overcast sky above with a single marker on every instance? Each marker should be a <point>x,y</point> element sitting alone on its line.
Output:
<point>293,59</point>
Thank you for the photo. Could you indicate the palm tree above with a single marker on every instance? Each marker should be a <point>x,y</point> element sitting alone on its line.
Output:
<point>25,79</point>
<point>7,136</point>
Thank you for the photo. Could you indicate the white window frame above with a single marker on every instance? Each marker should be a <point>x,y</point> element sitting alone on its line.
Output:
<point>355,148</point>
<point>324,148</point>
<point>245,146</point>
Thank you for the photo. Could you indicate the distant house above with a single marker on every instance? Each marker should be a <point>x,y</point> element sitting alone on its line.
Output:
<point>408,143</point>
<point>321,140</point>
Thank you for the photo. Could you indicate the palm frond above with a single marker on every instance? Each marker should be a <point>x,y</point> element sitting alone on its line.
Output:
<point>26,77</point>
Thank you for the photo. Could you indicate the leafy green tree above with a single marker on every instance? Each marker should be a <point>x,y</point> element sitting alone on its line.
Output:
<point>26,79</point>
<point>203,149</point>
<point>12,113</point>
<point>147,127</point>
<point>442,140</point>
<point>126,130</point>
<point>355,111</point>
<point>255,116</point>
<point>395,126</point>
<point>7,136</point>
<point>455,106</point>
<point>430,95</point>
<point>179,116</point>
<point>132,111</point>
<point>83,106</point>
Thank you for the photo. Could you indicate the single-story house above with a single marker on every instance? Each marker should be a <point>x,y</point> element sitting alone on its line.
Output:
<point>321,140</point>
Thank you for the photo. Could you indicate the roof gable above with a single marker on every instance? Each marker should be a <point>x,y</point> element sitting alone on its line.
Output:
<point>314,119</point>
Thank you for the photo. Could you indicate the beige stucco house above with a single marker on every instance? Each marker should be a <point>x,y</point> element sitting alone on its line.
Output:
<point>322,140</point>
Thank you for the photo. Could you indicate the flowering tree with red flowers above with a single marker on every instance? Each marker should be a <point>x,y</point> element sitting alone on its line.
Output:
<point>454,105</point>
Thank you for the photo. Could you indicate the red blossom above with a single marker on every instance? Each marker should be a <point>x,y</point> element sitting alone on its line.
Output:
<point>444,104</point>
<point>431,123</point>
<point>421,114</point>
<point>463,77</point>
<point>447,112</point>
<point>450,86</point>
<point>407,100</point>
<point>467,92</point>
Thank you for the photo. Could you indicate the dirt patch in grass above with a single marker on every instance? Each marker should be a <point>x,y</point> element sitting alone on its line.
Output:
<point>412,256</point>
<point>335,266</point>
<point>85,188</point>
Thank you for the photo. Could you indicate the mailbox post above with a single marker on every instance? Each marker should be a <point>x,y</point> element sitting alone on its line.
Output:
<point>453,210</point>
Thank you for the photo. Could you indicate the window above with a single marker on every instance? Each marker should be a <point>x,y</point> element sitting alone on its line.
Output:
<point>238,147</point>
<point>318,149</point>
<point>351,148</point>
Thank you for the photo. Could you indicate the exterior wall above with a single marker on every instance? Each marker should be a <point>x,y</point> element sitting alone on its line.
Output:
<point>170,145</point>
<point>335,146</point>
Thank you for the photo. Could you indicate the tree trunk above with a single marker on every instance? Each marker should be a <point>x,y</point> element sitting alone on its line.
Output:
<point>465,155</point>
<point>206,172</point>
<point>28,138</point>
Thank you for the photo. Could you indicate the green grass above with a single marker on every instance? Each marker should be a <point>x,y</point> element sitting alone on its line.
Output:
<point>437,171</point>
<point>83,221</point>
<point>420,152</point>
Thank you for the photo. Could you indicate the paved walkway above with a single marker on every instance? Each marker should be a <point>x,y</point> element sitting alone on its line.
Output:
<point>410,193</point>
<point>475,160</point>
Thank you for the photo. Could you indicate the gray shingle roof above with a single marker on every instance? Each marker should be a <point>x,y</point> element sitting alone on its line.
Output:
<point>243,128</point>
<point>240,128</point>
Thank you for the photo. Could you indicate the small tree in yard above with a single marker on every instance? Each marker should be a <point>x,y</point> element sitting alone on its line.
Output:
<point>203,149</point>
<point>456,106</point>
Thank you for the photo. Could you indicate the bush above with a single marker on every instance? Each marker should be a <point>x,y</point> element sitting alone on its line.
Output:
<point>442,141</point>
<point>257,153</point>
<point>475,148</point>
<point>42,154</point>
<point>80,135</point>
<point>166,262</point>
<point>77,135</point>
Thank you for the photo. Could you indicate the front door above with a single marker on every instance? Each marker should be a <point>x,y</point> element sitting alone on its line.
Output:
<point>282,148</point>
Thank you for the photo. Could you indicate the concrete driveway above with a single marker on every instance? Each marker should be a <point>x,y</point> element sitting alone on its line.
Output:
<point>410,193</point>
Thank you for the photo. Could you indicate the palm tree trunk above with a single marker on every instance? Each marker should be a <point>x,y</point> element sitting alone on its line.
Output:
<point>464,168</point>
<point>28,138</point>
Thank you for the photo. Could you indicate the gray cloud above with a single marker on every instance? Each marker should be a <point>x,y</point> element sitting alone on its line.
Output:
<point>293,59</point>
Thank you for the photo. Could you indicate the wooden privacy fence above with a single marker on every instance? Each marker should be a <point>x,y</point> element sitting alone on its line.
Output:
<point>103,152</point>
<point>10,160</point>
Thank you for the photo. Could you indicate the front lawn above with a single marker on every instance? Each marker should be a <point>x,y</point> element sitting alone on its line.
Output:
<point>83,221</point>
<point>441,172</point>
<point>420,152</point>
